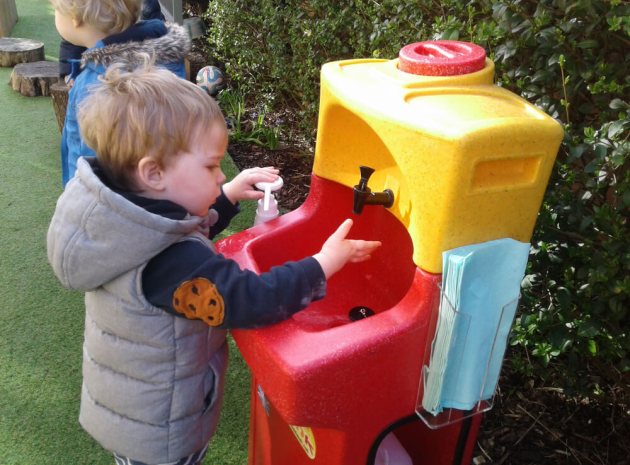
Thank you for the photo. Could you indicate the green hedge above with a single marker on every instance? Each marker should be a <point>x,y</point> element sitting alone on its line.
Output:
<point>567,57</point>
<point>570,58</point>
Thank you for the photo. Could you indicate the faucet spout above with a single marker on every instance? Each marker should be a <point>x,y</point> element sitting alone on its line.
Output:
<point>363,195</point>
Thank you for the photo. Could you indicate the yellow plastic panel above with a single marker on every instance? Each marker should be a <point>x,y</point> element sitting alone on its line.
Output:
<point>467,163</point>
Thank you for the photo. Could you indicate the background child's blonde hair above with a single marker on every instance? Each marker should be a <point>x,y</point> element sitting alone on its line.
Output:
<point>106,15</point>
<point>145,112</point>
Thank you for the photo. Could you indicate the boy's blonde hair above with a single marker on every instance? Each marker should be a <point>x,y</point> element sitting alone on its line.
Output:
<point>110,16</point>
<point>145,112</point>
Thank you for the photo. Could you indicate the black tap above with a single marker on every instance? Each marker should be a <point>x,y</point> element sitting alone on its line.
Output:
<point>363,195</point>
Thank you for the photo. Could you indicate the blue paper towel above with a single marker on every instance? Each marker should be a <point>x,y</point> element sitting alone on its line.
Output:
<point>481,285</point>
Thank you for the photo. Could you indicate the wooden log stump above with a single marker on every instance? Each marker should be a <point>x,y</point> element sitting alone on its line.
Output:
<point>32,79</point>
<point>8,16</point>
<point>14,50</point>
<point>59,96</point>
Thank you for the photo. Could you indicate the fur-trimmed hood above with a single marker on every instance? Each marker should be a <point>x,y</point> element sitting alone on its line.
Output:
<point>168,44</point>
<point>171,47</point>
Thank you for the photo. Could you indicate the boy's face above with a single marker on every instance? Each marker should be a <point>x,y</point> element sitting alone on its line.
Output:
<point>193,179</point>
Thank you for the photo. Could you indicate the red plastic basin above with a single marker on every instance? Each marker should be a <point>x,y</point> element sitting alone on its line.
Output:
<point>319,368</point>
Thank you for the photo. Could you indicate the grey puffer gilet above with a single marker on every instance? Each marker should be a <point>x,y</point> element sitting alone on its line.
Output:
<point>152,382</point>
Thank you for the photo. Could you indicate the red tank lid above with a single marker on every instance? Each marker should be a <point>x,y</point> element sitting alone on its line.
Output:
<point>441,58</point>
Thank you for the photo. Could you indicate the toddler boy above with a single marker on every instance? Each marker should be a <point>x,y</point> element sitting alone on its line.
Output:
<point>131,230</point>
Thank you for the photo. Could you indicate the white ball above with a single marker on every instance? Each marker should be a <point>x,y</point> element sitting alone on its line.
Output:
<point>210,79</point>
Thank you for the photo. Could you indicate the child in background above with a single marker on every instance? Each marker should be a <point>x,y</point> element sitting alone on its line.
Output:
<point>70,54</point>
<point>131,230</point>
<point>111,32</point>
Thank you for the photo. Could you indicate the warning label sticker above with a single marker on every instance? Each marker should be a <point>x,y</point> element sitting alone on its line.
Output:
<point>306,439</point>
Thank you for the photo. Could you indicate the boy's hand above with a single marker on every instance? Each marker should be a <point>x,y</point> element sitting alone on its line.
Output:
<point>337,250</point>
<point>242,186</point>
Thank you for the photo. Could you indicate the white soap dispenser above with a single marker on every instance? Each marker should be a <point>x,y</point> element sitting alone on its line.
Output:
<point>268,205</point>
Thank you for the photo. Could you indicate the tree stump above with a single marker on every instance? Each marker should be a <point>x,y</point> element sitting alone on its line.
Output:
<point>14,51</point>
<point>8,16</point>
<point>59,96</point>
<point>32,79</point>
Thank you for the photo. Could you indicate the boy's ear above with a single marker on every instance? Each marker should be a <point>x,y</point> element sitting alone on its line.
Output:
<point>150,175</point>
<point>77,23</point>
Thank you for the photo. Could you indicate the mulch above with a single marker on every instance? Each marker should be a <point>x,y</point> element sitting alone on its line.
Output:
<point>541,425</point>
<point>529,424</point>
<point>295,169</point>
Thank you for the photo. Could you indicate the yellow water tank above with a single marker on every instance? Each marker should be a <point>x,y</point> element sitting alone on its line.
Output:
<point>467,161</point>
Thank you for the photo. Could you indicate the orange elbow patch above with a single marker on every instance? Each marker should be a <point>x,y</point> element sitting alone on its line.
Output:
<point>199,299</point>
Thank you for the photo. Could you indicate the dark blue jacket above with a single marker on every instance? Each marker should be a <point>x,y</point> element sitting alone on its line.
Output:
<point>168,44</point>
<point>70,53</point>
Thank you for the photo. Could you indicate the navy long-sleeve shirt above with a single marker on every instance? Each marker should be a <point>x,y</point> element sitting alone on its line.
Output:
<point>190,274</point>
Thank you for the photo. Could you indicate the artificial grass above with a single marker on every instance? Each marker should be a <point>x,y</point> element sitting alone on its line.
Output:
<point>41,324</point>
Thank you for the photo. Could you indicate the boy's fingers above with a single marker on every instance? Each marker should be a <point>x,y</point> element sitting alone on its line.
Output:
<point>343,229</point>
<point>262,176</point>
<point>253,195</point>
<point>372,245</point>
<point>266,171</point>
<point>367,245</point>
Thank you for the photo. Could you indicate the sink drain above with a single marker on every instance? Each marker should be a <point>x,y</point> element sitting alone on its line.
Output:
<point>360,312</point>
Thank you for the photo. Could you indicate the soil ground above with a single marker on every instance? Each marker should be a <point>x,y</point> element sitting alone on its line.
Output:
<point>529,424</point>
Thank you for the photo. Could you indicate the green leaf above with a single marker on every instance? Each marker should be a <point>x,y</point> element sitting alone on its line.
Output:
<point>601,151</point>
<point>450,34</point>
<point>616,127</point>
<point>553,59</point>
<point>587,44</point>
<point>564,297</point>
<point>618,104</point>
<point>576,151</point>
<point>588,329</point>
<point>529,281</point>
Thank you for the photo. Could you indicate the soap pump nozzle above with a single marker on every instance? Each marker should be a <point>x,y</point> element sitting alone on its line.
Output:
<point>268,205</point>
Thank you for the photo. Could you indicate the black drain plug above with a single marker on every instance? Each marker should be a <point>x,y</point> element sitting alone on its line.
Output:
<point>360,312</point>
